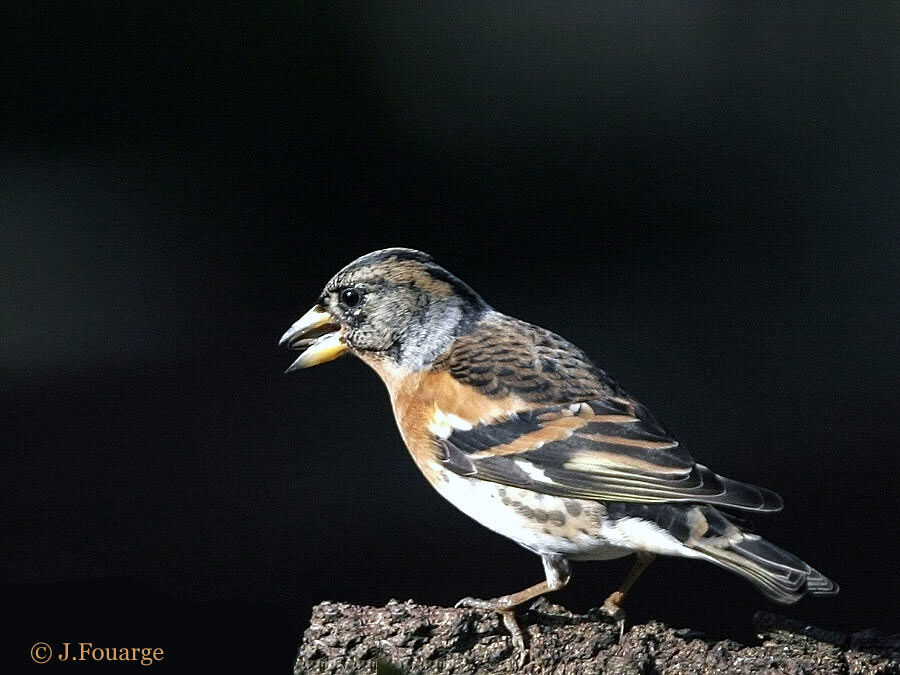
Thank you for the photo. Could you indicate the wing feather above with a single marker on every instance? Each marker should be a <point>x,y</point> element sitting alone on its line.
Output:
<point>605,449</point>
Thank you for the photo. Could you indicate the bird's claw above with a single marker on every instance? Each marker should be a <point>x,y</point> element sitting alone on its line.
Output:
<point>615,612</point>
<point>515,632</point>
<point>507,614</point>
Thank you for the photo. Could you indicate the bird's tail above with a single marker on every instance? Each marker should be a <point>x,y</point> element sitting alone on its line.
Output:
<point>778,574</point>
<point>704,532</point>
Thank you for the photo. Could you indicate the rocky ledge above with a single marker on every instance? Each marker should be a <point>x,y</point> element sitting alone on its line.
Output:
<point>403,637</point>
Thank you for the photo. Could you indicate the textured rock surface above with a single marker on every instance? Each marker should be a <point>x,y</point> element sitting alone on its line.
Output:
<point>410,638</point>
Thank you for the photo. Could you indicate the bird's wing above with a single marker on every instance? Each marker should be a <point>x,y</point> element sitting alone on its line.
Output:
<point>507,357</point>
<point>606,449</point>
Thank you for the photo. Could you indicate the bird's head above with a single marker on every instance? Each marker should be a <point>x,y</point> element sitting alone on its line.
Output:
<point>394,306</point>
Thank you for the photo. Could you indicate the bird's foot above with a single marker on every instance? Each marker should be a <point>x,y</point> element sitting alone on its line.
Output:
<point>506,610</point>
<point>495,604</point>
<point>612,607</point>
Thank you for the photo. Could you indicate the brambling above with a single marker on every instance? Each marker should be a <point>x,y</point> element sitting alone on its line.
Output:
<point>521,431</point>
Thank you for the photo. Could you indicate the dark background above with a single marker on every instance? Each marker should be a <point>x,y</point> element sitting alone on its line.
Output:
<point>704,197</point>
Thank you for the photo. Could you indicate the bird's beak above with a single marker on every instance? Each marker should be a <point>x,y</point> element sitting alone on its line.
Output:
<point>319,336</point>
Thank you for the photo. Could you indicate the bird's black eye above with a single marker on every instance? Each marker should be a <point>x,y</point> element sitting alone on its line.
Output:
<point>350,297</point>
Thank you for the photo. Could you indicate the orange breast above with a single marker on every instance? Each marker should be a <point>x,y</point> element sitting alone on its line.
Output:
<point>415,399</point>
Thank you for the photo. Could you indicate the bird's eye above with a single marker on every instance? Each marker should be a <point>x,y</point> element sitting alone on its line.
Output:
<point>350,297</point>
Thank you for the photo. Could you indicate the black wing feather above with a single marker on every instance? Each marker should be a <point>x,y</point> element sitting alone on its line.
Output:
<point>596,450</point>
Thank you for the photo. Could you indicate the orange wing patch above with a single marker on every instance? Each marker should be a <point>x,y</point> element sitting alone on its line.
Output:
<point>552,430</point>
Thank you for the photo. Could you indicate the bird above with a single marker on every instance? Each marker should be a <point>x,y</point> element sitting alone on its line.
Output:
<point>520,430</point>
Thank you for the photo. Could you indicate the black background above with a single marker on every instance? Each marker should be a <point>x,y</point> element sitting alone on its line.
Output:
<point>705,197</point>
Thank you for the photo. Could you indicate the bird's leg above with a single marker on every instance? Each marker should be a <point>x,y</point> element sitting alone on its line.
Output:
<point>612,606</point>
<point>556,569</point>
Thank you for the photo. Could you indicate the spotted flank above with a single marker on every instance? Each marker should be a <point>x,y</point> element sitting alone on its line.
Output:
<point>599,449</point>
<point>541,523</point>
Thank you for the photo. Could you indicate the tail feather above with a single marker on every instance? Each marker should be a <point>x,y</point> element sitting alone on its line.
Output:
<point>780,575</point>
